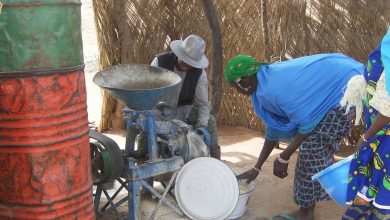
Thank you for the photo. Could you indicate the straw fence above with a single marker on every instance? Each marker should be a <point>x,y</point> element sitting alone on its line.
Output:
<point>270,30</point>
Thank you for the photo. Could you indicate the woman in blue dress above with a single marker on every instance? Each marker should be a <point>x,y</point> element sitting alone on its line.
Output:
<point>299,101</point>
<point>369,186</point>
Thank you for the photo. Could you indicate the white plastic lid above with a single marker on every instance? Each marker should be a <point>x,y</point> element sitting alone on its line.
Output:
<point>206,189</point>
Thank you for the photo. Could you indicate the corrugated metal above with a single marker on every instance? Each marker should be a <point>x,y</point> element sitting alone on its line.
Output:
<point>44,147</point>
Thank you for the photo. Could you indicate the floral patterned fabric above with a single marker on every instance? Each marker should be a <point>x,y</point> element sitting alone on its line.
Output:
<point>363,210</point>
<point>369,177</point>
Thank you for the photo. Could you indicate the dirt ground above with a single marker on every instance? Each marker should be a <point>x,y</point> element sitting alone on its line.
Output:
<point>240,148</point>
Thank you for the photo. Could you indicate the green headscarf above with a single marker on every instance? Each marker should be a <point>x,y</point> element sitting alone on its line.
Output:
<point>240,66</point>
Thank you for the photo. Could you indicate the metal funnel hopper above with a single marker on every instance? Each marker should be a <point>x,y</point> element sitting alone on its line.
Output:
<point>139,87</point>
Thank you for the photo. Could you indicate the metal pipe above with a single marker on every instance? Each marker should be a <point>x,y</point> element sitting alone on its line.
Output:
<point>152,143</point>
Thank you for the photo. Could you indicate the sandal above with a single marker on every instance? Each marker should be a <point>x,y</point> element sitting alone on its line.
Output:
<point>283,216</point>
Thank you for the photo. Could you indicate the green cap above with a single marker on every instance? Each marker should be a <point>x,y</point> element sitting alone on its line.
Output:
<point>240,66</point>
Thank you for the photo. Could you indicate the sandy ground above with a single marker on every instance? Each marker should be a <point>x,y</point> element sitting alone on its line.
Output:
<point>240,148</point>
<point>272,195</point>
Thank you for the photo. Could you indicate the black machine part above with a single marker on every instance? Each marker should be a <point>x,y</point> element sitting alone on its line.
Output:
<point>106,158</point>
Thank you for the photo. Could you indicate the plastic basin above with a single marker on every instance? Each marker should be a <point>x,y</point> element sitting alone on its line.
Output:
<point>334,180</point>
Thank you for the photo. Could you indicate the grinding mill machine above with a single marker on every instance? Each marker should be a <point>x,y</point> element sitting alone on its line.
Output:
<point>140,88</point>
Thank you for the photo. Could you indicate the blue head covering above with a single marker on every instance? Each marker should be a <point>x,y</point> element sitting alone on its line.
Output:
<point>293,96</point>
<point>385,48</point>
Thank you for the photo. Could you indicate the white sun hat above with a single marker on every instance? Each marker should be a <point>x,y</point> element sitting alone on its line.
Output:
<point>191,51</point>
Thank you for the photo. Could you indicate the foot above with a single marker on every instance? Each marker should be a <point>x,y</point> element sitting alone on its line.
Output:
<point>298,215</point>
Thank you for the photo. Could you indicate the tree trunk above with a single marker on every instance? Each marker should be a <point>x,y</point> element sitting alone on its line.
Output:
<point>217,58</point>
<point>264,21</point>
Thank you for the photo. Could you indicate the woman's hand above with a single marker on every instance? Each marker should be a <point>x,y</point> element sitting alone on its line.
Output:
<point>360,143</point>
<point>280,169</point>
<point>249,175</point>
<point>379,123</point>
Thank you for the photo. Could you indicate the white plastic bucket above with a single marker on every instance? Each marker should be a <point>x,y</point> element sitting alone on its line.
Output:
<point>245,191</point>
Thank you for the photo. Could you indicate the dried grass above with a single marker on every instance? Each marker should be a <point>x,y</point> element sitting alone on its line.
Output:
<point>295,27</point>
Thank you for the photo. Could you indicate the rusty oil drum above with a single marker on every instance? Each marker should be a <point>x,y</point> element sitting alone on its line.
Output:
<point>40,34</point>
<point>44,142</point>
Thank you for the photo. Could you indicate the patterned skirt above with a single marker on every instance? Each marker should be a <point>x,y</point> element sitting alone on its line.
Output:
<point>316,154</point>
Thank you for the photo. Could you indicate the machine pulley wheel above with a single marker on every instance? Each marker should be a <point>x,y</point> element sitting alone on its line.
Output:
<point>106,158</point>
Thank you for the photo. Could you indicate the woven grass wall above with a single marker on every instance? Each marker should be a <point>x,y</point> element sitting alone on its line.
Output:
<point>293,27</point>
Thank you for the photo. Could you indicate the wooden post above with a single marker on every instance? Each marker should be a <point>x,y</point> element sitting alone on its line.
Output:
<point>217,58</point>
<point>171,25</point>
<point>306,45</point>
<point>126,54</point>
<point>264,26</point>
<point>124,34</point>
